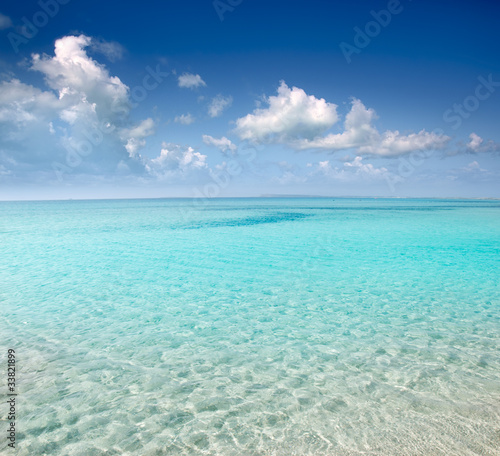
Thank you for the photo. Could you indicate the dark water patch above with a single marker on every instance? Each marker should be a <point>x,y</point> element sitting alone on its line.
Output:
<point>248,221</point>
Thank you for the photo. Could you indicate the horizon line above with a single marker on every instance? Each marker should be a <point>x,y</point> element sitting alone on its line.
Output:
<point>264,196</point>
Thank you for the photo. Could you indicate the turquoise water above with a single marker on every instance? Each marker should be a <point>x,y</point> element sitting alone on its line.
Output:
<point>253,326</point>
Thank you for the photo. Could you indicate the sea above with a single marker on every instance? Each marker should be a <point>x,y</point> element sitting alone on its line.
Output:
<point>251,326</point>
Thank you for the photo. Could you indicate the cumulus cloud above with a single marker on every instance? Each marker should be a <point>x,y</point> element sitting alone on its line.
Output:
<point>223,144</point>
<point>358,131</point>
<point>184,119</point>
<point>291,114</point>
<point>82,124</point>
<point>176,158</point>
<point>301,121</point>
<point>135,136</point>
<point>361,135</point>
<point>21,104</point>
<point>218,104</point>
<point>84,112</point>
<point>5,22</point>
<point>82,80</point>
<point>26,113</point>
<point>191,81</point>
<point>476,144</point>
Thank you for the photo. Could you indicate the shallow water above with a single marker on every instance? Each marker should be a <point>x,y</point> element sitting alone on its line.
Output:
<point>253,326</point>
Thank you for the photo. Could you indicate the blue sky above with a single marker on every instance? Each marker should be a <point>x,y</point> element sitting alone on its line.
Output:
<point>244,98</point>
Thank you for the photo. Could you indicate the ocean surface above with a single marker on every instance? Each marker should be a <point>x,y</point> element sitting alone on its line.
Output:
<point>252,327</point>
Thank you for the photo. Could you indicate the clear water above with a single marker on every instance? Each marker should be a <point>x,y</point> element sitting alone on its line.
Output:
<point>253,326</point>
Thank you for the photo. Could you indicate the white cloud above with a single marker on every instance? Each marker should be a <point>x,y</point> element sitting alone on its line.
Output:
<point>21,103</point>
<point>358,131</point>
<point>81,79</point>
<point>94,105</point>
<point>360,134</point>
<point>174,158</point>
<point>476,144</point>
<point>353,170</point>
<point>85,111</point>
<point>224,144</point>
<point>191,81</point>
<point>365,168</point>
<point>218,104</point>
<point>184,119</point>
<point>25,132</point>
<point>301,121</point>
<point>291,114</point>
<point>5,22</point>
<point>134,136</point>
<point>392,143</point>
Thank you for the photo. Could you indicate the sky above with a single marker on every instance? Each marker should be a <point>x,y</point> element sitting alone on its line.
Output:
<point>223,98</point>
